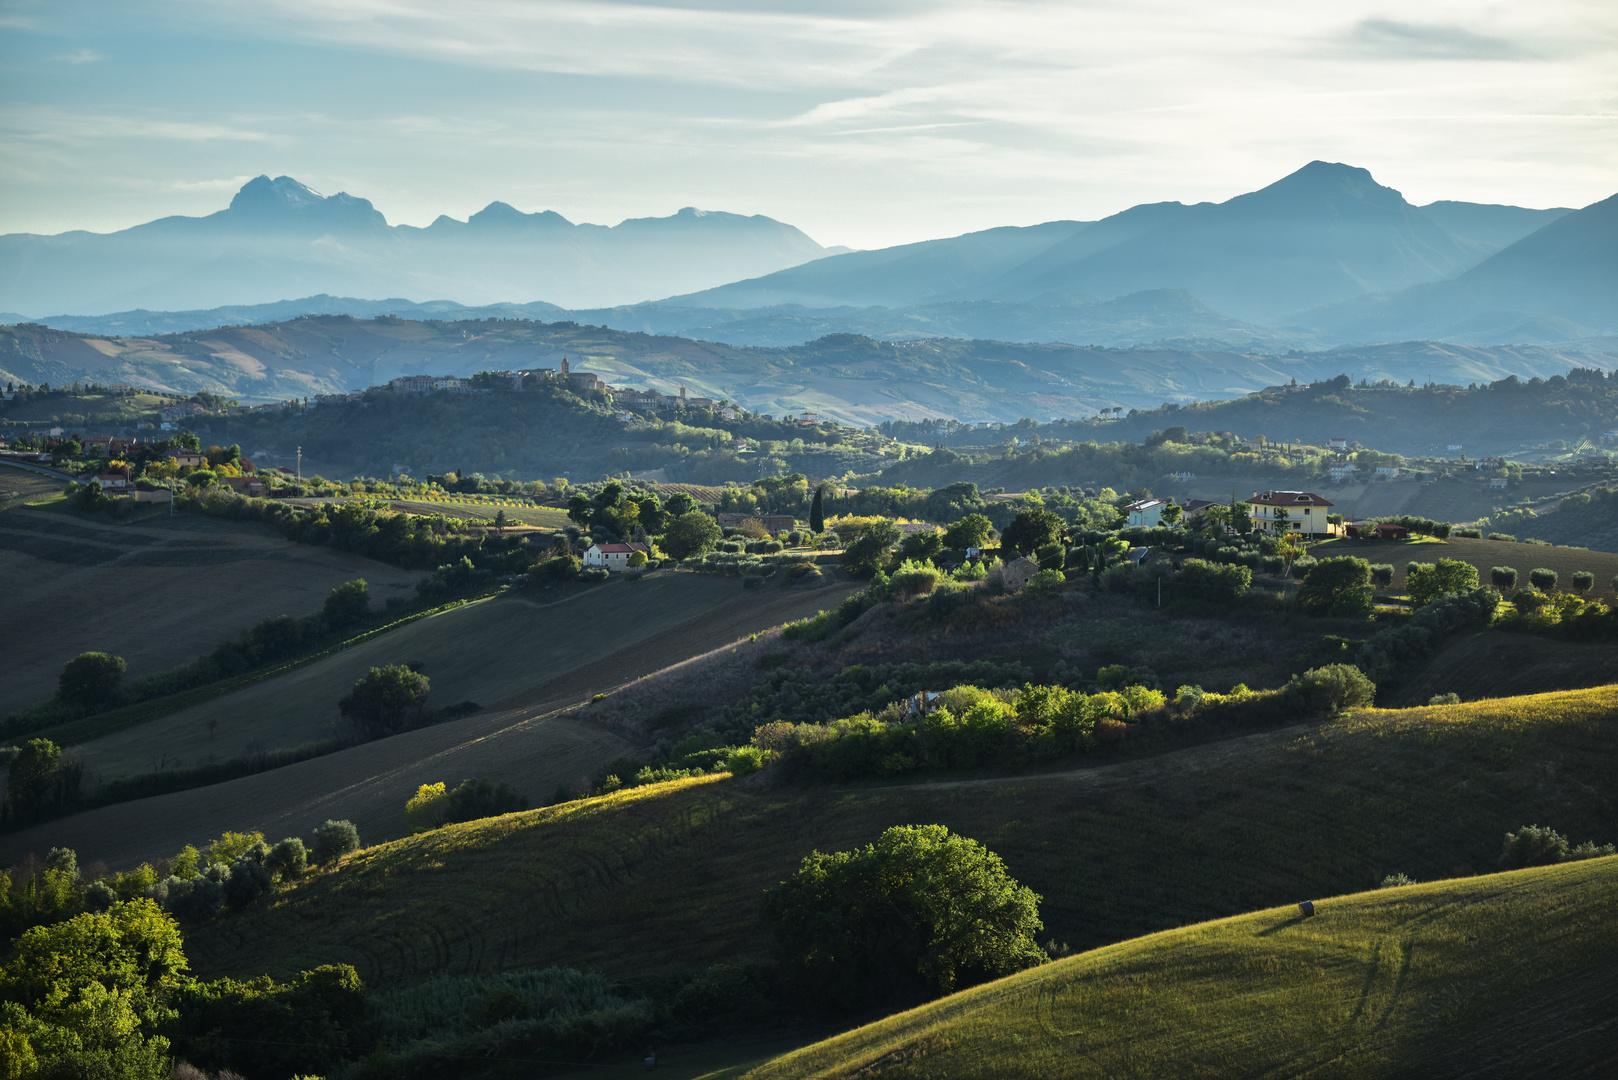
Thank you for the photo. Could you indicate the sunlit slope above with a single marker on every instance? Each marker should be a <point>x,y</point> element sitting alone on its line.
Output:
<point>1510,974</point>
<point>669,878</point>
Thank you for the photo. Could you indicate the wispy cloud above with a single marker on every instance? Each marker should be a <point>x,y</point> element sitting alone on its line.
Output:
<point>1391,38</point>
<point>83,56</point>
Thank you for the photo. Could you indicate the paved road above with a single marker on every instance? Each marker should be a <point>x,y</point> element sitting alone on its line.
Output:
<point>40,469</point>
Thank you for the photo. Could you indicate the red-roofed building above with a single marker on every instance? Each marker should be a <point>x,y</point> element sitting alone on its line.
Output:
<point>612,556</point>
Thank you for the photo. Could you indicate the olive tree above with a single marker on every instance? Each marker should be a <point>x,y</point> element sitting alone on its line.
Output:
<point>920,910</point>
<point>1426,582</point>
<point>1542,578</point>
<point>1584,580</point>
<point>1503,577</point>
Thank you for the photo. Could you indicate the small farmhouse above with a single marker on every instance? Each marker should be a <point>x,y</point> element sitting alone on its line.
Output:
<point>612,556</point>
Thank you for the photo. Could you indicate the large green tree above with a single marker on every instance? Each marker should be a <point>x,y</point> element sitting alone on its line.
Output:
<point>870,552</point>
<point>1338,586</point>
<point>817,511</point>
<point>1031,530</point>
<point>386,697</point>
<point>91,680</point>
<point>689,535</point>
<point>1426,582</point>
<point>921,910</point>
<point>972,531</point>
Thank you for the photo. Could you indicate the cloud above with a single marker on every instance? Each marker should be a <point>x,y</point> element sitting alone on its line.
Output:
<point>83,56</point>
<point>1391,38</point>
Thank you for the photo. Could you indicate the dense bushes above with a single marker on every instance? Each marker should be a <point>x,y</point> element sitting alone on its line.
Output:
<point>386,697</point>
<point>1426,582</point>
<point>1389,655</point>
<point>1338,586</point>
<point>434,805</point>
<point>333,840</point>
<point>970,726</point>
<point>1535,846</point>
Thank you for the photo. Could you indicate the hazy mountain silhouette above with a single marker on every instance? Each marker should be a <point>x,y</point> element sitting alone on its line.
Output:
<point>278,238</point>
<point>1558,283</point>
<point>1490,226</point>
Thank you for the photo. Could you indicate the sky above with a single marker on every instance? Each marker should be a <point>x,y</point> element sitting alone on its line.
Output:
<point>863,123</point>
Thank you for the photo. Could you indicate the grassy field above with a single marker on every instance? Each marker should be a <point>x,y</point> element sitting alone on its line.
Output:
<point>18,486</point>
<point>585,644</point>
<point>1485,555</point>
<point>158,591</point>
<point>668,878</point>
<point>1505,975</point>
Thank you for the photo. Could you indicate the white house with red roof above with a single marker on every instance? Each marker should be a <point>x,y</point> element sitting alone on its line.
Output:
<point>612,556</point>
<point>1290,511</point>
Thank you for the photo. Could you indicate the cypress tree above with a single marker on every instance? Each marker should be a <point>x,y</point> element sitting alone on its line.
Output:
<point>817,514</point>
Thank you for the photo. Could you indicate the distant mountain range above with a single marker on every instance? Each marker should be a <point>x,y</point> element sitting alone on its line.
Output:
<point>278,238</point>
<point>1321,258</point>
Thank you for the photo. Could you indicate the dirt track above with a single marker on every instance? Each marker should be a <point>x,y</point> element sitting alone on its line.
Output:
<point>521,742</point>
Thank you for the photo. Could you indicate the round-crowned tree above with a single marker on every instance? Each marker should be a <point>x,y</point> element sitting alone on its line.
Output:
<point>1031,530</point>
<point>1543,578</point>
<point>972,531</point>
<point>91,680</point>
<point>347,604</point>
<point>1584,580</point>
<point>921,911</point>
<point>386,697</point>
<point>690,534</point>
<point>333,840</point>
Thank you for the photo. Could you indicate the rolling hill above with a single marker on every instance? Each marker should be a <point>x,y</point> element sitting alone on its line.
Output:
<point>523,661</point>
<point>850,378</point>
<point>149,589</point>
<point>667,878</point>
<point>279,238</point>
<point>1511,974</point>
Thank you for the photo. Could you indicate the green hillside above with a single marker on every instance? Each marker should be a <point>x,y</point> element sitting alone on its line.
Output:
<point>1352,400</point>
<point>1510,974</point>
<point>668,878</point>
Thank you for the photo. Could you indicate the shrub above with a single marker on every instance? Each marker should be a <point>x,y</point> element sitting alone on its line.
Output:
<point>425,810</point>
<point>1337,586</point>
<point>1503,577</point>
<point>1584,580</point>
<point>1382,575</point>
<point>920,910</point>
<point>745,759</point>
<point>1332,688</point>
<point>333,840</point>
<point>287,859</point>
<point>1444,699</point>
<point>1394,881</point>
<point>1533,846</point>
<point>1475,534</point>
<point>915,579</point>
<point>1528,600</point>
<point>1542,578</point>
<point>1426,582</point>
<point>1048,582</point>
<point>1210,581</point>
<point>1503,536</point>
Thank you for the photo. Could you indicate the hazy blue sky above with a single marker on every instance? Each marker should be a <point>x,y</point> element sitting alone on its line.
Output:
<point>863,123</point>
